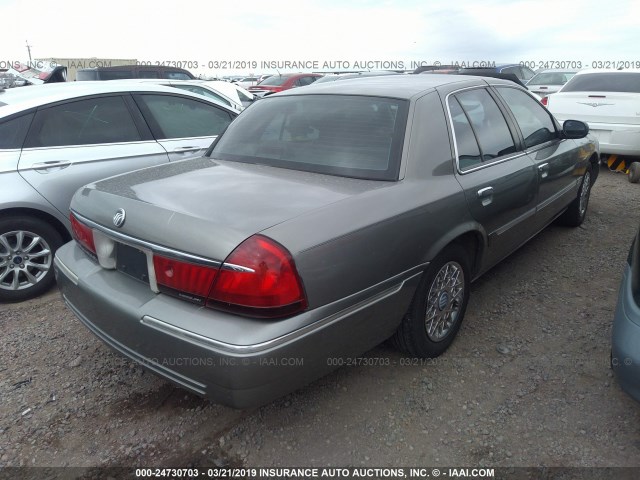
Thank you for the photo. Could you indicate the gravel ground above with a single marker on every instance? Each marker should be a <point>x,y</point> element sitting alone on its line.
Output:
<point>527,382</point>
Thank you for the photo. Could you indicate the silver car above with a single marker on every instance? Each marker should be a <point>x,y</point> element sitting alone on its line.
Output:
<point>549,81</point>
<point>56,138</point>
<point>323,221</point>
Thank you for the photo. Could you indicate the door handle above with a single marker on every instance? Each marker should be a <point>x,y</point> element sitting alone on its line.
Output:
<point>544,170</point>
<point>186,149</point>
<point>59,164</point>
<point>485,195</point>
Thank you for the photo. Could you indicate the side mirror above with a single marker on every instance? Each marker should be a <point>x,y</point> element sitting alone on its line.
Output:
<point>574,129</point>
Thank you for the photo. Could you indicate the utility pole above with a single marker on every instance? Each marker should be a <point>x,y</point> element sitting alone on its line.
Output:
<point>29,50</point>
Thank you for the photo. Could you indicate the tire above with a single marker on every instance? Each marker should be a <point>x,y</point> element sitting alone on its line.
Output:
<point>27,247</point>
<point>437,310</point>
<point>634,172</point>
<point>577,211</point>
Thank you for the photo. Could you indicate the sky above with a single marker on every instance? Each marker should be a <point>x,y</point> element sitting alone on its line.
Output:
<point>236,37</point>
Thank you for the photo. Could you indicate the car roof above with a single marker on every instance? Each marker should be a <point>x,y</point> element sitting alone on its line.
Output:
<point>394,86</point>
<point>607,70</point>
<point>226,88</point>
<point>24,98</point>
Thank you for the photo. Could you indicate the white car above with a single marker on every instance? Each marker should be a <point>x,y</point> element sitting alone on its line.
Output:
<point>549,81</point>
<point>609,101</point>
<point>247,82</point>
<point>229,94</point>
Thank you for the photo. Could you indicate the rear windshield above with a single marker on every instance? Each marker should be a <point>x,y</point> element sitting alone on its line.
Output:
<point>551,78</point>
<point>604,82</point>
<point>351,136</point>
<point>274,81</point>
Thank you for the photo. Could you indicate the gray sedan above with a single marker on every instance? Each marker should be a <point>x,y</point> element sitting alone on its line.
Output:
<point>322,222</point>
<point>56,138</point>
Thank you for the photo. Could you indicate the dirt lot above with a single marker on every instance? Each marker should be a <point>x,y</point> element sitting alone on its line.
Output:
<point>527,382</point>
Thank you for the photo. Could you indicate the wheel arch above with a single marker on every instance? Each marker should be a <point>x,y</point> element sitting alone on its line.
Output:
<point>39,214</point>
<point>471,237</point>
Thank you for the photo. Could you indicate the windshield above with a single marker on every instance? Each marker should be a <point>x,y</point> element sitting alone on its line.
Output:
<point>274,81</point>
<point>604,82</point>
<point>551,78</point>
<point>351,136</point>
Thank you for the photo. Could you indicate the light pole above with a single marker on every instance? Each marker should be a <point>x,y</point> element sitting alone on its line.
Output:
<point>28,50</point>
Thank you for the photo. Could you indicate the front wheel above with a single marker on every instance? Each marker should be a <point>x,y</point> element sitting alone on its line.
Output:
<point>634,172</point>
<point>575,214</point>
<point>438,307</point>
<point>27,247</point>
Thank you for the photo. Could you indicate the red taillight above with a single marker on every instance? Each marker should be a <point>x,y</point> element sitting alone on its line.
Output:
<point>545,101</point>
<point>259,278</point>
<point>188,278</point>
<point>83,234</point>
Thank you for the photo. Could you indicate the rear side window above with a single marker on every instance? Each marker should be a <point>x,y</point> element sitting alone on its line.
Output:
<point>84,122</point>
<point>176,76</point>
<point>466,143</point>
<point>203,91</point>
<point>12,132</point>
<point>534,121</point>
<point>353,136</point>
<point>488,123</point>
<point>604,82</point>
<point>148,74</point>
<point>179,117</point>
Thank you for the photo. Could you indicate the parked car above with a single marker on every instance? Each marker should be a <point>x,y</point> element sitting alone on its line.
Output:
<point>133,71</point>
<point>609,101</point>
<point>56,138</point>
<point>625,351</point>
<point>226,93</point>
<point>522,73</point>
<point>279,83</point>
<point>549,81</point>
<point>246,82</point>
<point>211,261</point>
<point>348,76</point>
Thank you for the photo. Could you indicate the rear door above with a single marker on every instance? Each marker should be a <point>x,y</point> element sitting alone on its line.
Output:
<point>499,181</point>
<point>76,142</point>
<point>184,126</point>
<point>555,158</point>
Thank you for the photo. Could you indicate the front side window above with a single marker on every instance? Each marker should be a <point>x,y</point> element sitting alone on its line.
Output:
<point>488,123</point>
<point>179,117</point>
<point>12,132</point>
<point>534,121</point>
<point>85,122</point>
<point>352,136</point>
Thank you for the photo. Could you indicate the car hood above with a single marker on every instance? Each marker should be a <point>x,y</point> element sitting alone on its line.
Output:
<point>208,207</point>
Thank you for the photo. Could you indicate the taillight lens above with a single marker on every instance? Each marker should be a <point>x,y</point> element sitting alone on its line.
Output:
<point>545,101</point>
<point>83,234</point>
<point>184,278</point>
<point>259,278</point>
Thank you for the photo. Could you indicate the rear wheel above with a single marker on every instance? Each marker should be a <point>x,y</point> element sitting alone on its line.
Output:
<point>438,307</point>
<point>634,172</point>
<point>27,246</point>
<point>575,214</point>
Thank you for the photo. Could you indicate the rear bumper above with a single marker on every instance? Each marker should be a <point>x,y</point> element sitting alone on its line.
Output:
<point>625,348</point>
<point>617,139</point>
<point>208,352</point>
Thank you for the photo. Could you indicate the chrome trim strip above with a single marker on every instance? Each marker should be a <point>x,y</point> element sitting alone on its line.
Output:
<point>455,142</point>
<point>66,270</point>
<point>555,197</point>
<point>207,342</point>
<point>144,245</point>
<point>237,268</point>
<point>515,221</point>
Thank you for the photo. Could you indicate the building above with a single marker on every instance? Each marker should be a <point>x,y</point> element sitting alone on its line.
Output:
<point>75,64</point>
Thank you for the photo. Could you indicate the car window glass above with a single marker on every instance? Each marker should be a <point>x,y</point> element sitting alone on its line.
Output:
<point>626,82</point>
<point>466,143</point>
<point>12,132</point>
<point>85,122</point>
<point>527,73</point>
<point>274,81</point>
<point>203,91</point>
<point>176,76</point>
<point>488,123</point>
<point>179,117</point>
<point>115,74</point>
<point>534,121</point>
<point>355,136</point>
<point>305,80</point>
<point>148,74</point>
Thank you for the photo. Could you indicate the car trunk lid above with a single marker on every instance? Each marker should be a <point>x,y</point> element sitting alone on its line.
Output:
<point>597,107</point>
